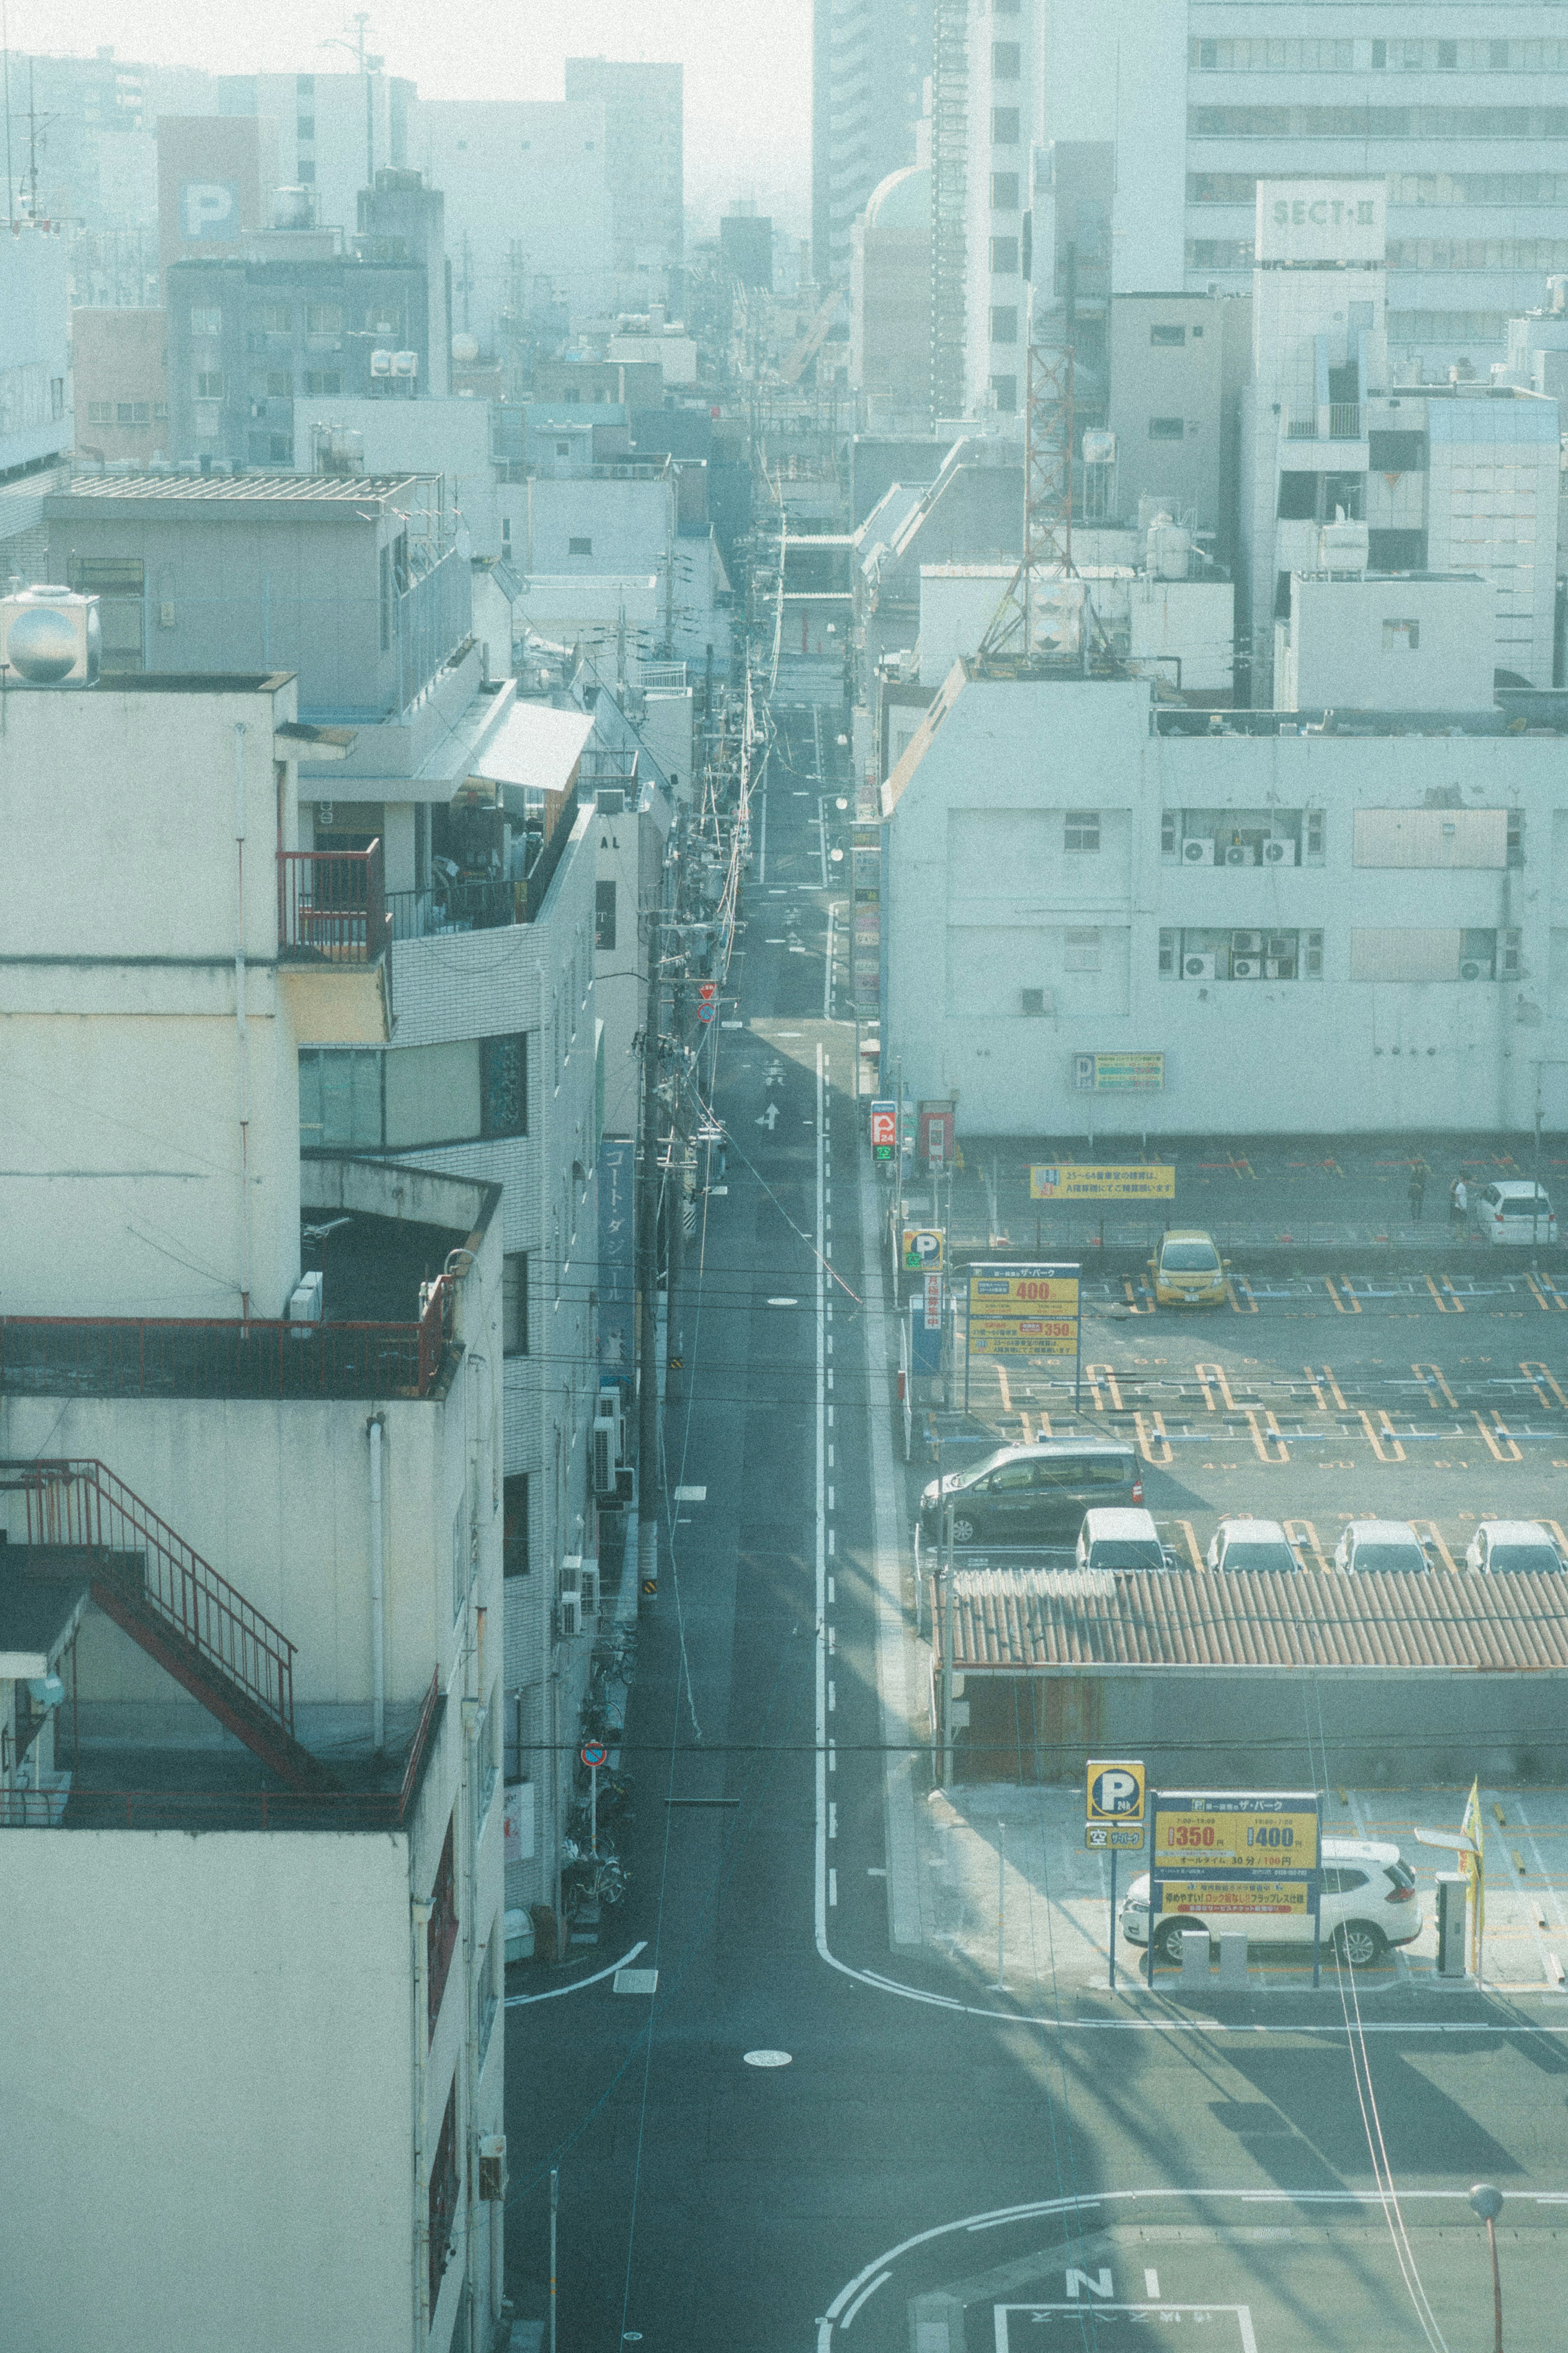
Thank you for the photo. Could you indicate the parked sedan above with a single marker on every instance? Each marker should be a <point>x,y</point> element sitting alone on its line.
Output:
<point>1251,1544</point>
<point>1514,1212</point>
<point>1369,1900</point>
<point>1187,1271</point>
<point>1515,1548</point>
<point>1381,1548</point>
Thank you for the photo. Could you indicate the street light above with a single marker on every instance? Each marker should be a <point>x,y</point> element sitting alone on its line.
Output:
<point>1487,2202</point>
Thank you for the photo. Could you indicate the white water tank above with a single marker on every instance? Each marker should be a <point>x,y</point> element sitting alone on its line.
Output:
<point>290,208</point>
<point>1557,294</point>
<point>49,637</point>
<point>1343,549</point>
<point>1168,550</point>
<point>464,350</point>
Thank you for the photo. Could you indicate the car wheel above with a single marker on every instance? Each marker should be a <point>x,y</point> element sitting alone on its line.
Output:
<point>1361,1943</point>
<point>963,1531</point>
<point>1168,1938</point>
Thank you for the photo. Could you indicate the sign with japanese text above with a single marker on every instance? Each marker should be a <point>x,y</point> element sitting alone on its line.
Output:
<point>1118,1075</point>
<point>1126,1181</point>
<point>1024,1311</point>
<point>1244,1832</point>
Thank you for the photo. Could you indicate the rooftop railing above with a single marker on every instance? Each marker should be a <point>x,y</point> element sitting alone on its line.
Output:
<point>332,905</point>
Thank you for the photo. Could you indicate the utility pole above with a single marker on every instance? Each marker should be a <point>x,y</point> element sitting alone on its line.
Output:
<point>648,1280</point>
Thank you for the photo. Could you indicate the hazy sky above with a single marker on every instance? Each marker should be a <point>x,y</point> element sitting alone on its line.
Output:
<point>748,62</point>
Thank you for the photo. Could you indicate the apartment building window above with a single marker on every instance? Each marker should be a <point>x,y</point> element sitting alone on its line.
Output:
<point>1004,191</point>
<point>1401,636</point>
<point>205,320</point>
<point>1081,951</point>
<point>133,412</point>
<point>304,85</point>
<point>57,398</point>
<point>279,449</point>
<point>1004,126</point>
<point>1516,836</point>
<point>323,318</point>
<point>1379,56</point>
<point>1004,323</point>
<point>1005,391</point>
<point>1080,829</point>
<point>1163,335</point>
<point>514,1303</point>
<point>514,1524</point>
<point>305,128</point>
<point>441,1930</point>
<point>324,382</point>
<point>1208,56</point>
<point>1241,838</point>
<point>579,547</point>
<point>1004,256</point>
<point>277,318</point>
<point>209,383</point>
<point>1007,60</point>
<point>278,385</point>
<point>605,916</point>
<point>1420,954</point>
<point>1497,57</point>
<point>100,412</point>
<point>1167,428</point>
<point>1317,825</point>
<point>1447,56</point>
<point>444,2190</point>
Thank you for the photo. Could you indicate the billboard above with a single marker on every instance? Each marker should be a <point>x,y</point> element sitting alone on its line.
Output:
<point>1119,1074</point>
<point>1252,1831</point>
<point>1024,1311</point>
<point>617,1274</point>
<point>1118,1182</point>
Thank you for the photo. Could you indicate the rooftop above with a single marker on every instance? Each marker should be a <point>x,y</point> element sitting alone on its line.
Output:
<point>1027,1620</point>
<point>247,489</point>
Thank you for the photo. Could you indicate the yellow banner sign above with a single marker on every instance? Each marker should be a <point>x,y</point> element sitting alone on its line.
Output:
<point>1113,1182</point>
<point>1023,1312</point>
<point>1251,1895</point>
<point>1241,1833</point>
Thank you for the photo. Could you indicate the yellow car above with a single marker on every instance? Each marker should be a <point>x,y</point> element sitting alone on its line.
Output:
<point>1188,1270</point>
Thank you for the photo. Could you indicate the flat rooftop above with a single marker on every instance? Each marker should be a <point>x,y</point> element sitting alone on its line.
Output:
<point>230,490</point>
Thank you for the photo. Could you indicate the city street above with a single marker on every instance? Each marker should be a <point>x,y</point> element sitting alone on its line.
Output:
<point>796,2120</point>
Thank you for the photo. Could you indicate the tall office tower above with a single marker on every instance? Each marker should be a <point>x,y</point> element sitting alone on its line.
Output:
<point>869,62</point>
<point>645,160</point>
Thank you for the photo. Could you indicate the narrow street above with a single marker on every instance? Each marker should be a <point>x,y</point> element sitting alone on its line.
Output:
<point>929,2165</point>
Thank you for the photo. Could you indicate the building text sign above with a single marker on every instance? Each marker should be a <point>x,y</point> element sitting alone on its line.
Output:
<point>1119,1074</point>
<point>1123,1182</point>
<point>1257,1831</point>
<point>1024,1311</point>
<point>1320,220</point>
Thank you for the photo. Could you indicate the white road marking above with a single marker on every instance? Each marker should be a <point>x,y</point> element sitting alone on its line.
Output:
<point>827,1760</point>
<point>830,1593</point>
<point>830,1458</point>
<point>864,2297</point>
<point>1152,2285</point>
<point>766,2058</point>
<point>832,1768</point>
<point>832,1820</point>
<point>830,1503</point>
<point>691,1494</point>
<point>832,1637</point>
<point>833,1887</point>
<point>830,1552</point>
<point>827,965</point>
<point>832,1698</point>
<point>522,2000</point>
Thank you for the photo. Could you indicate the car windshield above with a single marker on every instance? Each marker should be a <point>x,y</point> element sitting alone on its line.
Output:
<point>1126,1552</point>
<point>978,1470</point>
<point>1257,1557</point>
<point>1370,1559</point>
<point>1190,1258</point>
<point>1524,1560</point>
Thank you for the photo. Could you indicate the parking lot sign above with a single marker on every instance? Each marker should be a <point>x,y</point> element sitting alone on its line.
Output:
<point>884,1130</point>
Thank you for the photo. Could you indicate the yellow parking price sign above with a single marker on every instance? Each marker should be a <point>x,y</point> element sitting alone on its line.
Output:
<point>1024,1311</point>
<point>1122,1181</point>
<point>1259,1830</point>
<point>1286,1896</point>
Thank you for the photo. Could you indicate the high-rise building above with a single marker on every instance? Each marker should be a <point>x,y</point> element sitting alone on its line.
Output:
<point>335,130</point>
<point>869,62</point>
<point>645,160</point>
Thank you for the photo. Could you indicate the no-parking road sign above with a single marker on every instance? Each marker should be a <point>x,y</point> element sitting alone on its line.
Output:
<point>594,1753</point>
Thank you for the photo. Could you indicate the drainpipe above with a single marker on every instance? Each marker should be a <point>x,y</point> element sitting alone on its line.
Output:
<point>239,1023</point>
<point>471,1989</point>
<point>421,1918</point>
<point>376,1426</point>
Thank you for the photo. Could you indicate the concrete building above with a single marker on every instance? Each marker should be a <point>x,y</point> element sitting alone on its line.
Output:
<point>1178,364</point>
<point>1171,620</point>
<point>1343,927</point>
<point>889,302</point>
<point>96,156</point>
<point>265,1558</point>
<point>216,178</point>
<point>1416,642</point>
<point>530,209</point>
<point>120,371</point>
<point>297,311</point>
<point>335,130</point>
<point>746,247</point>
<point>449,439</point>
<point>36,424</point>
<point>645,133</point>
<point>869,59</point>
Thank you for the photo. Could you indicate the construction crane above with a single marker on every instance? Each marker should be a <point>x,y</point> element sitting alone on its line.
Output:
<point>811,343</point>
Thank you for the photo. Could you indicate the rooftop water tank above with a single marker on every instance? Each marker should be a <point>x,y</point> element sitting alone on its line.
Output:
<point>49,637</point>
<point>1343,549</point>
<point>464,350</point>
<point>1168,549</point>
<point>290,208</point>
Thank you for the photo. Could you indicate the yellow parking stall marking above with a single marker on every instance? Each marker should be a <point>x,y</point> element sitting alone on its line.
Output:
<point>1263,1440</point>
<point>1546,1303</point>
<point>1433,1530</point>
<point>1557,1532</point>
<point>1132,1297</point>
<point>1539,1373</point>
<point>1217,1374</point>
<point>1188,1531</point>
<point>1247,1306</point>
<point>1321,1379</point>
<point>1449,1306</point>
<point>1492,1438</point>
<point>1303,1531</point>
<point>1028,1433</point>
<point>1354,1307</point>
<point>1094,1375</point>
<point>1431,1377</point>
<point>1045,1422</point>
<point>1147,1444</point>
<point>1377,1440</point>
<point>1006,1392</point>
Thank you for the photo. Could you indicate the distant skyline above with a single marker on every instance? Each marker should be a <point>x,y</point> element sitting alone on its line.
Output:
<point>748,65</point>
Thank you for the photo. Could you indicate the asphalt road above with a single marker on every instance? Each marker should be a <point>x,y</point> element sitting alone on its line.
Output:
<point>923,2177</point>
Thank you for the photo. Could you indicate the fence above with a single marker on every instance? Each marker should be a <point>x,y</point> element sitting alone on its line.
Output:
<point>332,905</point>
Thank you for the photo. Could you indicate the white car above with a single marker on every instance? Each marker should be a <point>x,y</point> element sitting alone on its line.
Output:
<point>1369,1900</point>
<point>1514,1212</point>
<point>1381,1548</point>
<point>1516,1547</point>
<point>1251,1544</point>
<point>1121,1539</point>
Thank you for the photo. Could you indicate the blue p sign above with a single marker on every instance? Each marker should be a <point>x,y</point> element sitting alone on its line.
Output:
<point>1116,1792</point>
<point>209,208</point>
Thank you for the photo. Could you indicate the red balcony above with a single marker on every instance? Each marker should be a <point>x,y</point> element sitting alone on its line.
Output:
<point>332,905</point>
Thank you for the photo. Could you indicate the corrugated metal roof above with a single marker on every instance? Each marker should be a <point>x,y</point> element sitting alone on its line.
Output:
<point>1024,1621</point>
<point>337,489</point>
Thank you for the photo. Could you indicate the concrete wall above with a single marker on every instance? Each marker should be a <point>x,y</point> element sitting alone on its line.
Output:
<point>528,173</point>
<point>122,383</point>
<point>1152,379</point>
<point>34,361</point>
<point>629,524</point>
<point>1404,644</point>
<point>450,437</point>
<point>966,933</point>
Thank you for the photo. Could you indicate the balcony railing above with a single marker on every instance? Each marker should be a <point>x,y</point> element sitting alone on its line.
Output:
<point>1342,417</point>
<point>332,905</point>
<point>45,1355</point>
<point>477,906</point>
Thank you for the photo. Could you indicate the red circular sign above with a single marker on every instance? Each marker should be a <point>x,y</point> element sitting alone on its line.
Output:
<point>594,1753</point>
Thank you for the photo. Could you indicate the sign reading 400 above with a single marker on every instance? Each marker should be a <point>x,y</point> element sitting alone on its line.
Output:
<point>1257,1831</point>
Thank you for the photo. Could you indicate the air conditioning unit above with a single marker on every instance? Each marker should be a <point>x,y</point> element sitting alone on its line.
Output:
<point>1247,944</point>
<point>1241,853</point>
<point>1246,968</point>
<point>1279,943</point>
<point>404,362</point>
<point>304,1307</point>
<point>1196,853</point>
<point>381,363</point>
<point>612,799</point>
<point>493,2168</point>
<point>1472,969</point>
<point>604,1459</point>
<point>588,1588</point>
<point>49,637</point>
<point>569,1617</point>
<point>1197,967</point>
<point>1273,968</point>
<point>1281,853</point>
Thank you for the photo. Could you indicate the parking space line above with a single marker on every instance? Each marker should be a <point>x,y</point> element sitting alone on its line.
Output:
<point>1294,1530</point>
<point>1354,1307</point>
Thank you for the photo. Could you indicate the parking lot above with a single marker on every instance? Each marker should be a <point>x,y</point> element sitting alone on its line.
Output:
<point>990,1849</point>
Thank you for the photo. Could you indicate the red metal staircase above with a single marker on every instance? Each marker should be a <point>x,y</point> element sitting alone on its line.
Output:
<point>84,1521</point>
